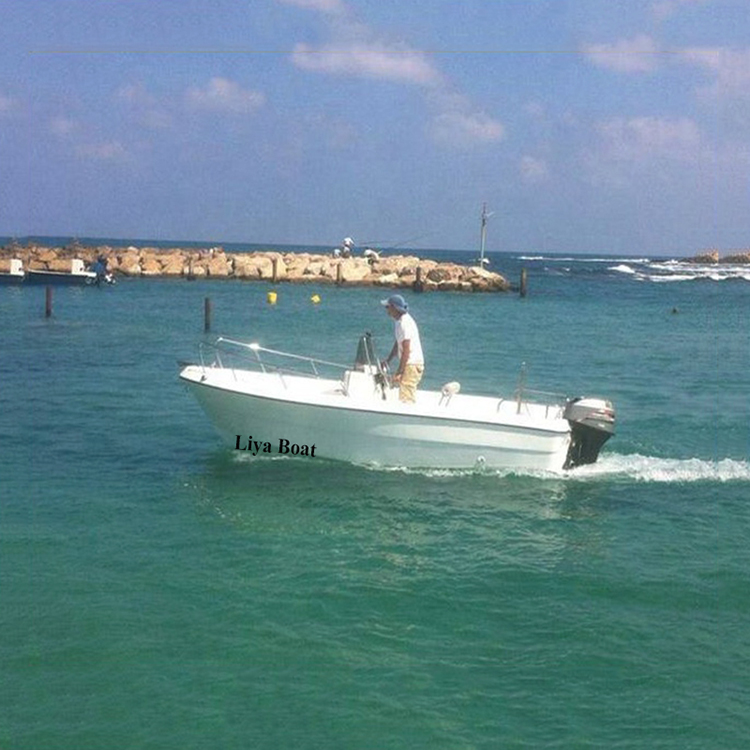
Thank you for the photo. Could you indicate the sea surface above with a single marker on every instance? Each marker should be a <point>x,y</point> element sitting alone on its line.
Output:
<point>161,591</point>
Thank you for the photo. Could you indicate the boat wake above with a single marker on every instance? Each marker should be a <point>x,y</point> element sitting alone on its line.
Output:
<point>634,468</point>
<point>667,470</point>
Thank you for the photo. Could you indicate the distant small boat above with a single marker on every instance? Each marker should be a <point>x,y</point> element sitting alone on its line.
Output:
<point>16,274</point>
<point>78,275</point>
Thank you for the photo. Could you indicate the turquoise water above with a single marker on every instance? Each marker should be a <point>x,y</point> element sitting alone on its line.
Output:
<point>162,591</point>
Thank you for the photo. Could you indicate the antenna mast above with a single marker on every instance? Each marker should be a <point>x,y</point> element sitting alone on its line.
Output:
<point>485,216</point>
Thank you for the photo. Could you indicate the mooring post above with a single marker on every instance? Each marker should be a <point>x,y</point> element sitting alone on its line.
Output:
<point>339,275</point>
<point>207,315</point>
<point>48,302</point>
<point>275,273</point>
<point>418,285</point>
<point>522,288</point>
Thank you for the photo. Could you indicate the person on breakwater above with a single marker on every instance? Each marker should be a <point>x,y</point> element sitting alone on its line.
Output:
<point>408,347</point>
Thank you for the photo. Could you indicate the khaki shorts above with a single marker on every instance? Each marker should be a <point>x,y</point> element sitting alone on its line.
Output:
<point>409,381</point>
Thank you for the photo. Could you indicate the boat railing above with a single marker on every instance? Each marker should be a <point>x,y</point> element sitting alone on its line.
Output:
<point>233,355</point>
<point>524,396</point>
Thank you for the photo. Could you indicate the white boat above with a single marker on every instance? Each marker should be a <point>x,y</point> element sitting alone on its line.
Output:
<point>260,402</point>
<point>15,273</point>
<point>78,275</point>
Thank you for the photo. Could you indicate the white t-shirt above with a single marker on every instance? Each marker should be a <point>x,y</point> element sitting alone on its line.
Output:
<point>405,329</point>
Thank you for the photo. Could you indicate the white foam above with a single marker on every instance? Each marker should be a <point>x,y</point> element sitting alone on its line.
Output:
<point>670,279</point>
<point>622,269</point>
<point>652,469</point>
<point>613,466</point>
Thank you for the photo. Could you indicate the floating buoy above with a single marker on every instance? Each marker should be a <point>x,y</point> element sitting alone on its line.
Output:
<point>271,298</point>
<point>315,299</point>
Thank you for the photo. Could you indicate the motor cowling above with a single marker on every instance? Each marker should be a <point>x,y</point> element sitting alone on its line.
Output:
<point>592,423</point>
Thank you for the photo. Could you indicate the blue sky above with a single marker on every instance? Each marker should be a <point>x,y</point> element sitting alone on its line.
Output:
<point>597,126</point>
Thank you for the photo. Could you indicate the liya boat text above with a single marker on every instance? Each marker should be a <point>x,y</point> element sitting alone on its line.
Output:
<point>286,447</point>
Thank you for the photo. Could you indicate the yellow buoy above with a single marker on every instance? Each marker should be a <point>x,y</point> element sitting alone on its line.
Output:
<point>271,297</point>
<point>315,299</point>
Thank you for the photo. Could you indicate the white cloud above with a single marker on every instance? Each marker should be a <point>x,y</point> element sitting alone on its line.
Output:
<point>466,129</point>
<point>637,55</point>
<point>357,52</point>
<point>648,138</point>
<point>533,170</point>
<point>7,105</point>
<point>144,107</point>
<point>368,60</point>
<point>223,95</point>
<point>731,69</point>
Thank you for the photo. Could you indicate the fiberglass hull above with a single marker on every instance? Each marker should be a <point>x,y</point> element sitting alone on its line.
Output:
<point>372,431</point>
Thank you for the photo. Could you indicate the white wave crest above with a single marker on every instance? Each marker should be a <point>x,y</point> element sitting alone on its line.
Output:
<point>622,268</point>
<point>651,469</point>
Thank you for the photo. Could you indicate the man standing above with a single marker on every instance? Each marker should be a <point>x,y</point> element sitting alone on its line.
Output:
<point>407,346</point>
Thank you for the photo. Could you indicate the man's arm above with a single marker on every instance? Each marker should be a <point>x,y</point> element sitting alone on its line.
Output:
<point>394,352</point>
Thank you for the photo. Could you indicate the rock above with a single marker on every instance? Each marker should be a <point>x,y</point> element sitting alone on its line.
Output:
<point>711,256</point>
<point>129,266</point>
<point>173,264</point>
<point>318,268</point>
<point>218,266</point>
<point>742,258</point>
<point>438,274</point>
<point>388,279</point>
<point>61,265</point>
<point>47,256</point>
<point>450,285</point>
<point>198,271</point>
<point>354,269</point>
<point>248,266</point>
<point>150,266</point>
<point>129,259</point>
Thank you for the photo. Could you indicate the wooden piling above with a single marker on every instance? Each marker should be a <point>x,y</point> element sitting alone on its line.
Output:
<point>339,275</point>
<point>48,302</point>
<point>522,287</point>
<point>418,285</point>
<point>207,315</point>
<point>275,273</point>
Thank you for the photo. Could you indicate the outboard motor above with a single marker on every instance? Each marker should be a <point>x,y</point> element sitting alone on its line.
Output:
<point>592,423</point>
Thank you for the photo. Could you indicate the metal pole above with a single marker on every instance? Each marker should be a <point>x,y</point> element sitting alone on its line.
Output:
<point>483,238</point>
<point>207,315</point>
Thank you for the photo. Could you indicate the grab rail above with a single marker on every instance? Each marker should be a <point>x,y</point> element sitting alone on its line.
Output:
<point>256,349</point>
<point>521,394</point>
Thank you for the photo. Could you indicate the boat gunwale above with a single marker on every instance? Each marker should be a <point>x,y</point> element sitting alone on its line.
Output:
<point>551,430</point>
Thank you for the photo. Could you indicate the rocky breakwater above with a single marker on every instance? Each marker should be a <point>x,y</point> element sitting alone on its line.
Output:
<point>395,271</point>
<point>734,258</point>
